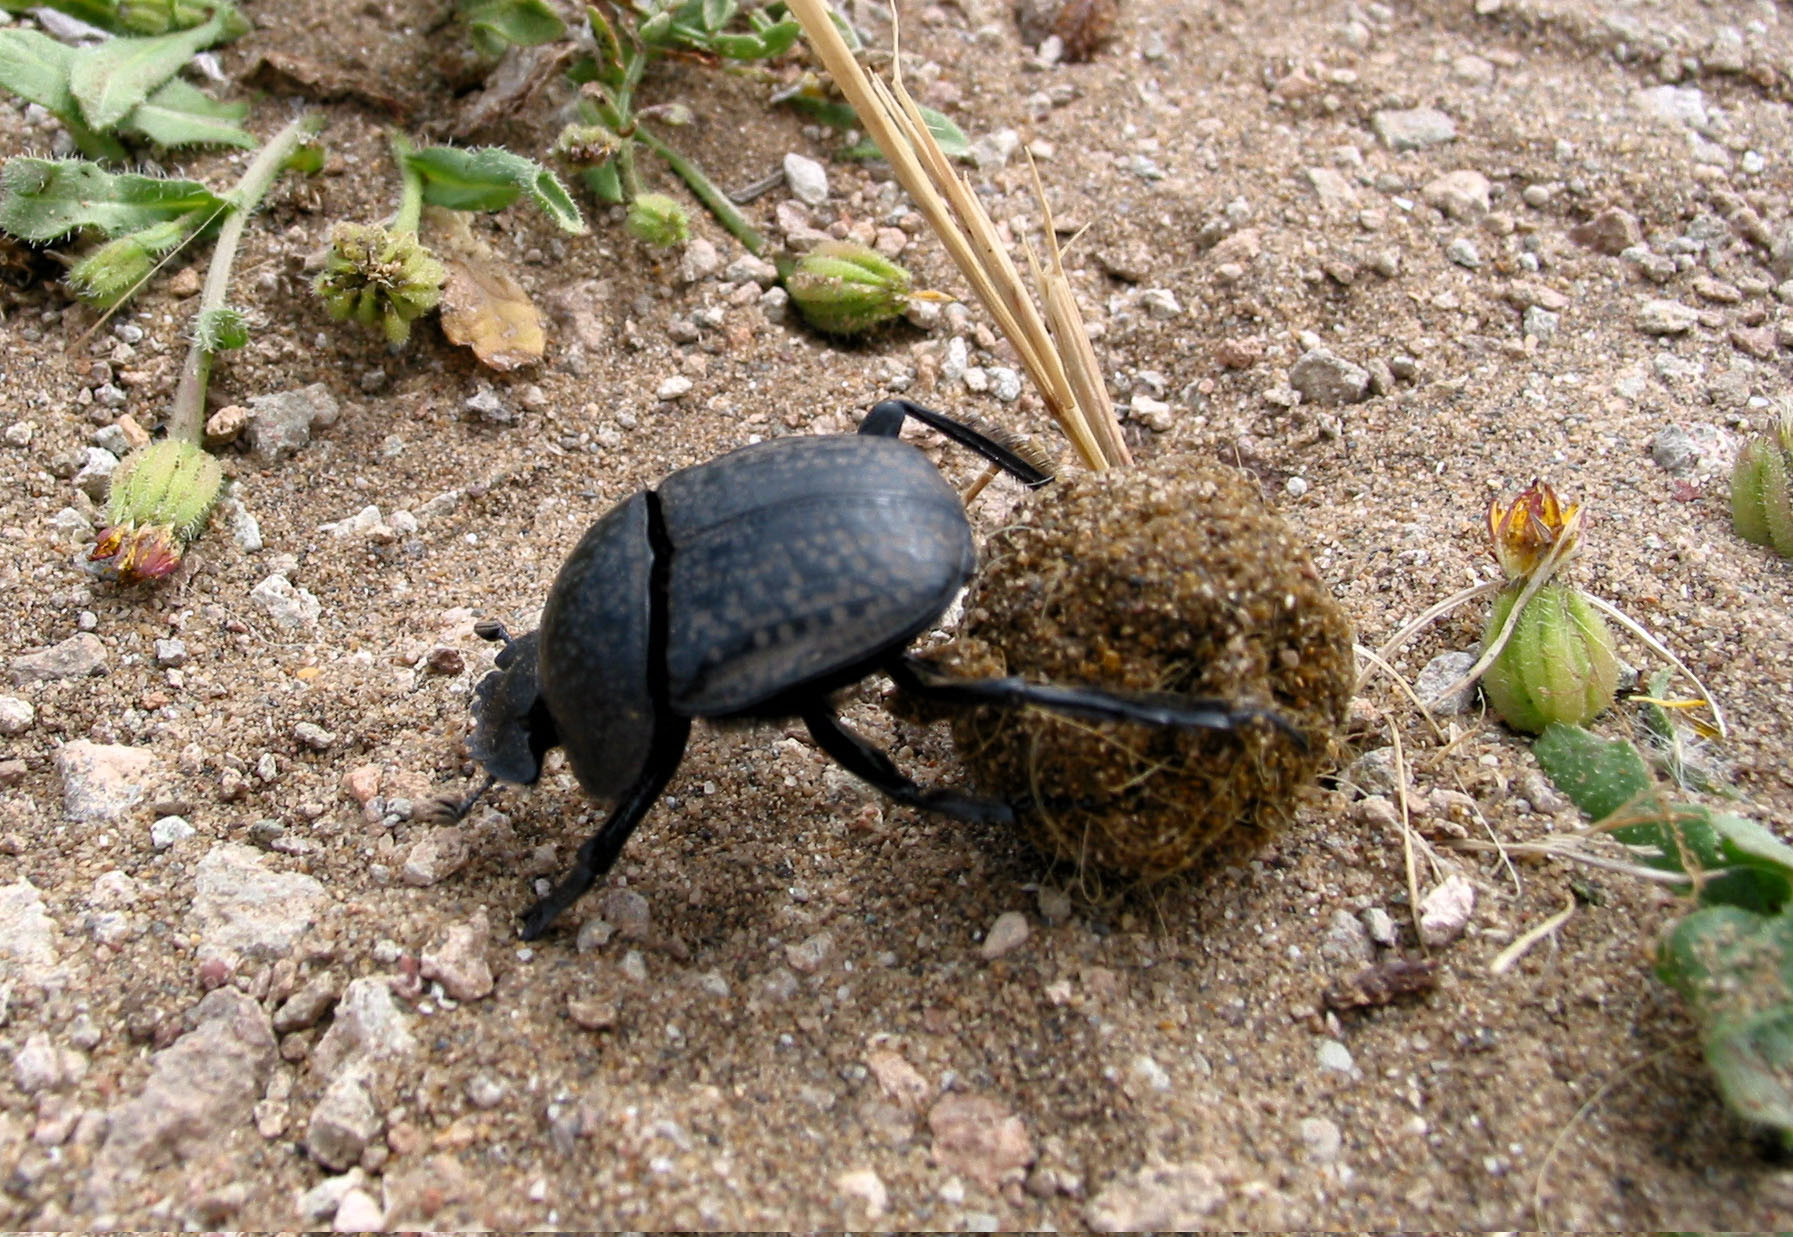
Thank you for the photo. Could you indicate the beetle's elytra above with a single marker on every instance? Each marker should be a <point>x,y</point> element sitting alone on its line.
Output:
<point>755,585</point>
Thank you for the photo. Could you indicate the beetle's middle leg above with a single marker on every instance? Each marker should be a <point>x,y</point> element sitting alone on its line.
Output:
<point>600,851</point>
<point>874,767</point>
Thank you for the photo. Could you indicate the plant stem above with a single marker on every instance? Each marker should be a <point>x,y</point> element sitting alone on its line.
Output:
<point>410,200</point>
<point>186,416</point>
<point>707,193</point>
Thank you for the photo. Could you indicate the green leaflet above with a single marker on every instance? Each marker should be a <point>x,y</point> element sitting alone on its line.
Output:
<point>43,199</point>
<point>110,80</point>
<point>1735,970</point>
<point>496,24</point>
<point>36,67</point>
<point>491,178</point>
<point>181,114</point>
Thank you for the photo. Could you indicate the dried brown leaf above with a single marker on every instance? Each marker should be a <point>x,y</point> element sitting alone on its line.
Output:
<point>483,306</point>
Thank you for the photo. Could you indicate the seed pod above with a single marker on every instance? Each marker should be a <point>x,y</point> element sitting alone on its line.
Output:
<point>843,288</point>
<point>658,220</point>
<point>380,278</point>
<point>1559,665</point>
<point>1762,490</point>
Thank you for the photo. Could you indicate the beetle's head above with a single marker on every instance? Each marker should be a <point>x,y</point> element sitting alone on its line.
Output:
<point>512,729</point>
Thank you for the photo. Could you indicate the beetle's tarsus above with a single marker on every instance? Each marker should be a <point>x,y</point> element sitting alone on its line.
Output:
<point>876,769</point>
<point>446,809</point>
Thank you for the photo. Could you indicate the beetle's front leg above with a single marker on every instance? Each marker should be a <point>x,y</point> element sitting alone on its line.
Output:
<point>599,854</point>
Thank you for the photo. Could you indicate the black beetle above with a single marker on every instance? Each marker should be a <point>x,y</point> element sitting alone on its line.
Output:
<point>754,586</point>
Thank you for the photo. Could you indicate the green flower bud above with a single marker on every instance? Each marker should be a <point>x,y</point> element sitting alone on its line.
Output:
<point>658,220</point>
<point>843,288</point>
<point>118,268</point>
<point>1762,490</point>
<point>380,278</point>
<point>587,146</point>
<point>221,329</point>
<point>160,499</point>
<point>1559,665</point>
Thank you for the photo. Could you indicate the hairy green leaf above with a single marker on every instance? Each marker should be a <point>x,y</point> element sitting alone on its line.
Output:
<point>491,178</point>
<point>110,80</point>
<point>181,114</point>
<point>716,13</point>
<point>605,184</point>
<point>496,24</point>
<point>36,68</point>
<point>1599,775</point>
<point>1735,970</point>
<point>43,199</point>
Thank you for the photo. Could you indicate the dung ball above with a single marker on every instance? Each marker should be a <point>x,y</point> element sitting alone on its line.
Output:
<point>1143,580</point>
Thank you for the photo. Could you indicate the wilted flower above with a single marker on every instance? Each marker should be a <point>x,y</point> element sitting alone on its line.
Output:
<point>380,278</point>
<point>844,288</point>
<point>1558,665</point>
<point>160,498</point>
<point>1524,534</point>
<point>1762,489</point>
<point>656,219</point>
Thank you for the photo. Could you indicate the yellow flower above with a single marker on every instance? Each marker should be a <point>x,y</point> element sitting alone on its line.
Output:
<point>1534,529</point>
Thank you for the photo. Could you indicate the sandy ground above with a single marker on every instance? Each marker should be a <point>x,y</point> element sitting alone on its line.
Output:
<point>781,1012</point>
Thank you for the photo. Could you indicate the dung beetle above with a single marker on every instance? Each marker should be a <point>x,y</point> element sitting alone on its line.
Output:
<point>755,586</point>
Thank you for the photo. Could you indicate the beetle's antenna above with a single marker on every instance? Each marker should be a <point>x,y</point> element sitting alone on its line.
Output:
<point>447,809</point>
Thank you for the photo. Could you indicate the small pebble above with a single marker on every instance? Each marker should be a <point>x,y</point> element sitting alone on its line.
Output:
<point>168,830</point>
<point>1006,935</point>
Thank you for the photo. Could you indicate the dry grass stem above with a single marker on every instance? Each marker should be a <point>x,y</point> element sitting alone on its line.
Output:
<point>1503,962</point>
<point>1058,358</point>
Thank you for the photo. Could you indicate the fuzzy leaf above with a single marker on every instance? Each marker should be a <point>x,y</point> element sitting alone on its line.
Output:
<point>496,24</point>
<point>1600,776</point>
<point>1735,970</point>
<point>35,67</point>
<point>604,183</point>
<point>109,80</point>
<point>716,13</point>
<point>181,114</point>
<point>43,199</point>
<point>491,178</point>
<point>99,13</point>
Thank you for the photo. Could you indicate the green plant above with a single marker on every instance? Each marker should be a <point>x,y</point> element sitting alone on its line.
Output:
<point>1762,489</point>
<point>383,275</point>
<point>495,25</point>
<point>611,122</point>
<point>137,16</point>
<point>161,493</point>
<point>1547,655</point>
<point>125,85</point>
<point>1732,958</point>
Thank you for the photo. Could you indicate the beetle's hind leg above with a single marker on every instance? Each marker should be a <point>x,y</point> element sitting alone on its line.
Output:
<point>601,849</point>
<point>874,767</point>
<point>922,678</point>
